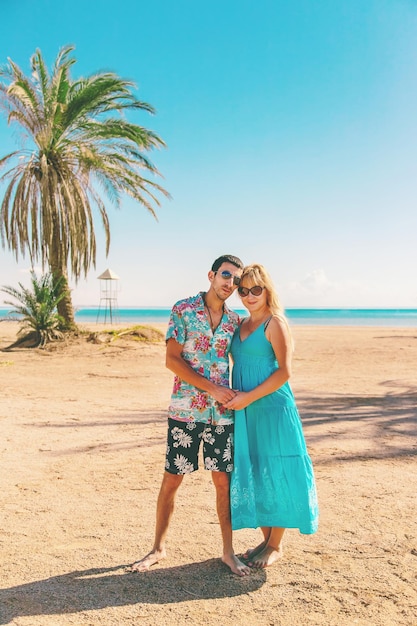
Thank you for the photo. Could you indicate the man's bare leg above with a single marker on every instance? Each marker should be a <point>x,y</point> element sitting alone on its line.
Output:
<point>221,483</point>
<point>164,511</point>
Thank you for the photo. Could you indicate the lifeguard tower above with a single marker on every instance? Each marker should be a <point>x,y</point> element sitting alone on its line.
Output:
<point>109,289</point>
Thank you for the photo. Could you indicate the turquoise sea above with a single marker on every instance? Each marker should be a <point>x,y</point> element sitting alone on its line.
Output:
<point>334,317</point>
<point>323,317</point>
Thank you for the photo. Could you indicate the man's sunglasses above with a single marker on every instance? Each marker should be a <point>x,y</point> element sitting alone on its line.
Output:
<point>255,291</point>
<point>226,275</point>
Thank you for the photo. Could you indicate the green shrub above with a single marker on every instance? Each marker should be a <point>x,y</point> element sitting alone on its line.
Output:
<point>37,308</point>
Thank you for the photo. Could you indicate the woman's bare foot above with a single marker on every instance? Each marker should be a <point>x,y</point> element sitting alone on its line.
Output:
<point>267,557</point>
<point>236,566</point>
<point>252,552</point>
<point>150,559</point>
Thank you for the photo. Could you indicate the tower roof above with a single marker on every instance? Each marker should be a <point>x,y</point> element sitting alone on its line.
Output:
<point>108,275</point>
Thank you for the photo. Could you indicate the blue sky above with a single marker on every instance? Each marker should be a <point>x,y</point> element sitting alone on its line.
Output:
<point>292,141</point>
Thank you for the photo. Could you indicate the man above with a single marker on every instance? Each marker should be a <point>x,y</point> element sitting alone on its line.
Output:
<point>198,340</point>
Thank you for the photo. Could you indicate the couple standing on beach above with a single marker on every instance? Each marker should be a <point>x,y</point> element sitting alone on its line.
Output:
<point>252,435</point>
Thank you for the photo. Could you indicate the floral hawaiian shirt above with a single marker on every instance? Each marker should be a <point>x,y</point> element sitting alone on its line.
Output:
<point>207,353</point>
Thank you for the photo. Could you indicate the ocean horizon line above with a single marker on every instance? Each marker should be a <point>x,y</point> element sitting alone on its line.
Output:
<point>324,316</point>
<point>301,315</point>
<point>290,308</point>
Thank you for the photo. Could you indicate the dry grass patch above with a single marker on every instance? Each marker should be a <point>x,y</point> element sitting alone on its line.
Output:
<point>146,334</point>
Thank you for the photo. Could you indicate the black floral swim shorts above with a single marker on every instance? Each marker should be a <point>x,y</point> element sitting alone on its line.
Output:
<point>183,446</point>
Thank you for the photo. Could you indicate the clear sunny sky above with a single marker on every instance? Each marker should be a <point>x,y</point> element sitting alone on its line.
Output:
<point>291,128</point>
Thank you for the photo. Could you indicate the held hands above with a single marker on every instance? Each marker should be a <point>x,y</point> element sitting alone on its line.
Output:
<point>231,398</point>
<point>223,394</point>
<point>238,402</point>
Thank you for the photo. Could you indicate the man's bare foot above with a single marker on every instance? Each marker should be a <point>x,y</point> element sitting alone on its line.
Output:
<point>236,566</point>
<point>267,557</point>
<point>150,559</point>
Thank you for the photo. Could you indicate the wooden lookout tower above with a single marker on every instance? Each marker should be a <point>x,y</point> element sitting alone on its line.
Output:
<point>109,289</point>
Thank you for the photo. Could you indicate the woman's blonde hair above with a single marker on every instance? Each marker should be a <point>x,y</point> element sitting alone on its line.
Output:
<point>256,274</point>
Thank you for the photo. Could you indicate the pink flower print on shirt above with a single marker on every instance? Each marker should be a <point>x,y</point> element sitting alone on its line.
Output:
<point>221,347</point>
<point>228,327</point>
<point>216,375</point>
<point>221,409</point>
<point>177,384</point>
<point>182,306</point>
<point>202,343</point>
<point>174,334</point>
<point>199,402</point>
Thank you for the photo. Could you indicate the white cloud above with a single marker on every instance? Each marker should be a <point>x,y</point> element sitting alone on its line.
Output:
<point>317,290</point>
<point>316,282</point>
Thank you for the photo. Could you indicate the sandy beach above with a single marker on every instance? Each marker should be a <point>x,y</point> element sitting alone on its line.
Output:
<point>82,439</point>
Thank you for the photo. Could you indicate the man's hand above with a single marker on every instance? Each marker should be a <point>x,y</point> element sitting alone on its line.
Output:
<point>222,394</point>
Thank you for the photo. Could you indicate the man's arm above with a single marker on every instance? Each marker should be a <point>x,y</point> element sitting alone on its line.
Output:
<point>175,362</point>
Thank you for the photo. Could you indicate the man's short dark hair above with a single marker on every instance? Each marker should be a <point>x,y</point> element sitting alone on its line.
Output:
<point>227,258</point>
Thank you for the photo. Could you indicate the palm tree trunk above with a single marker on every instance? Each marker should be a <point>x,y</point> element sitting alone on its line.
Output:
<point>65,306</point>
<point>58,267</point>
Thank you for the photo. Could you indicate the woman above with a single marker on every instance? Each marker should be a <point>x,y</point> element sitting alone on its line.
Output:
<point>272,484</point>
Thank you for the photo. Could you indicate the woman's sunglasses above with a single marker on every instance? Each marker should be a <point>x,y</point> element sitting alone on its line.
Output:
<point>255,291</point>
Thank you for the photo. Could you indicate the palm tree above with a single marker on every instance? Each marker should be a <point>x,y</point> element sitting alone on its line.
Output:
<point>37,308</point>
<point>80,145</point>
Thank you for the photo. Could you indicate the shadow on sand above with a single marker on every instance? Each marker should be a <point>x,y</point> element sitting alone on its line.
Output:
<point>386,425</point>
<point>390,420</point>
<point>98,588</point>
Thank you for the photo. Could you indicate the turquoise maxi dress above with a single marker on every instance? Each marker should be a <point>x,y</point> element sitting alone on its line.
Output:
<point>272,482</point>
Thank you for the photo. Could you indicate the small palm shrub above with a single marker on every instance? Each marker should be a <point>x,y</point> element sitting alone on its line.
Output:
<point>37,309</point>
